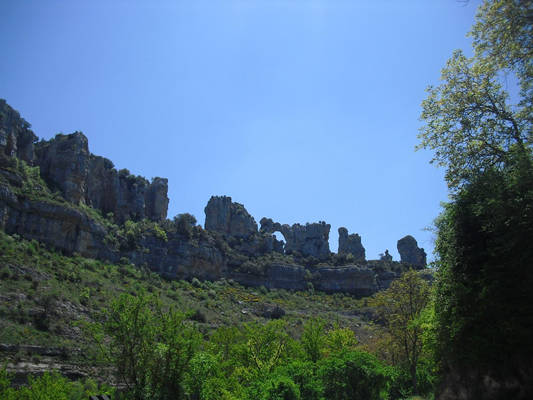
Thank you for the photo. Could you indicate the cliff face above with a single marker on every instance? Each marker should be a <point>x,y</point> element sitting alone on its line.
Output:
<point>58,193</point>
<point>16,138</point>
<point>67,164</point>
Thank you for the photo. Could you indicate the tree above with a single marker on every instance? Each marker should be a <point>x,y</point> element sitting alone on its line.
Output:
<point>484,302</point>
<point>352,375</point>
<point>470,122</point>
<point>313,340</point>
<point>503,36</point>
<point>151,348</point>
<point>400,307</point>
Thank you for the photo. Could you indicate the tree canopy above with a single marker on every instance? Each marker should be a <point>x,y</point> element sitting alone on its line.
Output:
<point>470,120</point>
<point>480,130</point>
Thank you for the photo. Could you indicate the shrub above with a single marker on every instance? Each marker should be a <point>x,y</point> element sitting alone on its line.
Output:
<point>352,375</point>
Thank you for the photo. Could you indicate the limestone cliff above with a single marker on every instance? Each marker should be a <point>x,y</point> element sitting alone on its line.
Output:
<point>16,138</point>
<point>67,164</point>
<point>58,193</point>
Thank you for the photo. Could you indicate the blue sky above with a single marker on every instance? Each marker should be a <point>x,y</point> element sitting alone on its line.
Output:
<point>301,110</point>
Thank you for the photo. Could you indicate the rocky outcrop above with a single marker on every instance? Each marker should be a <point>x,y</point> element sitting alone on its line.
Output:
<point>410,253</point>
<point>156,199</point>
<point>62,227</point>
<point>357,280</point>
<point>64,163</point>
<point>305,240</point>
<point>180,258</point>
<point>351,244</point>
<point>16,138</point>
<point>67,165</point>
<point>230,246</point>
<point>232,219</point>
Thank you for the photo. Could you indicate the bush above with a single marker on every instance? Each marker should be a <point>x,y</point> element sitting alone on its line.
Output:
<point>353,375</point>
<point>281,388</point>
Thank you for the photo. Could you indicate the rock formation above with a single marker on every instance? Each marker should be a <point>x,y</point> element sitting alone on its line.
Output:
<point>232,219</point>
<point>307,240</point>
<point>67,165</point>
<point>410,253</point>
<point>351,244</point>
<point>64,163</point>
<point>54,210</point>
<point>16,138</point>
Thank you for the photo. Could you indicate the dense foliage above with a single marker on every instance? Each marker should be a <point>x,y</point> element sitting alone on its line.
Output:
<point>483,136</point>
<point>485,302</point>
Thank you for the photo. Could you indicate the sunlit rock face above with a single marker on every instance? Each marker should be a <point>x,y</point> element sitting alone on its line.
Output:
<point>16,138</point>
<point>410,253</point>
<point>232,219</point>
<point>305,240</point>
<point>351,244</point>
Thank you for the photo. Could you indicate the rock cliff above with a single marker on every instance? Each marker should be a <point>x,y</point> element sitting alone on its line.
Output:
<point>16,138</point>
<point>58,193</point>
<point>67,165</point>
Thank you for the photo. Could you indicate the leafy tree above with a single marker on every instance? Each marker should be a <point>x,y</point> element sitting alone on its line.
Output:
<point>352,375</point>
<point>313,340</point>
<point>266,346</point>
<point>281,388</point>
<point>470,122</point>
<point>340,339</point>
<point>483,305</point>
<point>400,307</point>
<point>304,374</point>
<point>151,348</point>
<point>503,37</point>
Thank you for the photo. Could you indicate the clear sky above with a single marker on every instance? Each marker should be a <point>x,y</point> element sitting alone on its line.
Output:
<point>302,110</point>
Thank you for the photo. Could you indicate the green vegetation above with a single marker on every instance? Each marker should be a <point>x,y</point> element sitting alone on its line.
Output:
<point>483,306</point>
<point>159,339</point>
<point>51,386</point>
<point>401,307</point>
<point>156,334</point>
